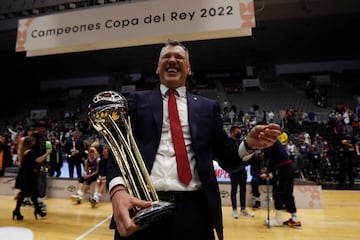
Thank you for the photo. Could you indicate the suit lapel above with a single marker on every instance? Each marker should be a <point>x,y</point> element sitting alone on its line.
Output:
<point>193,112</point>
<point>157,109</point>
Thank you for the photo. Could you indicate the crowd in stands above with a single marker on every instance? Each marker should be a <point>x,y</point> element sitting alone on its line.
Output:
<point>323,152</point>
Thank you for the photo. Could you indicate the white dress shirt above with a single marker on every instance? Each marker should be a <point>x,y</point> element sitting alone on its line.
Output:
<point>164,172</point>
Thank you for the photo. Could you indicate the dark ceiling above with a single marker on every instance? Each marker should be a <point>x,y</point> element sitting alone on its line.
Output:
<point>286,31</point>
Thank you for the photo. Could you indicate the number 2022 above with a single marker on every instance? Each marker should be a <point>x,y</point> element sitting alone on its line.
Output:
<point>220,11</point>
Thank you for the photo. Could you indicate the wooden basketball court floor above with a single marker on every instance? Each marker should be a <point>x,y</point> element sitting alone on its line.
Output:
<point>338,219</point>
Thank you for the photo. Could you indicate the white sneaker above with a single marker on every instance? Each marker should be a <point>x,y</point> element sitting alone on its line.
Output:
<point>235,214</point>
<point>77,198</point>
<point>246,213</point>
<point>273,223</point>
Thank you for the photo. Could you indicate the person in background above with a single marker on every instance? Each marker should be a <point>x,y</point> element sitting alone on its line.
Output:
<point>197,213</point>
<point>75,148</point>
<point>291,149</point>
<point>100,186</point>
<point>91,171</point>
<point>259,172</point>
<point>283,137</point>
<point>56,159</point>
<point>238,179</point>
<point>40,148</point>
<point>27,178</point>
<point>5,155</point>
<point>339,131</point>
<point>282,173</point>
<point>303,157</point>
<point>28,131</point>
<point>98,145</point>
<point>315,161</point>
<point>347,159</point>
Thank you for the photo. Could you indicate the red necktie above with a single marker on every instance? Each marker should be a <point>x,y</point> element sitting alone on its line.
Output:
<point>182,161</point>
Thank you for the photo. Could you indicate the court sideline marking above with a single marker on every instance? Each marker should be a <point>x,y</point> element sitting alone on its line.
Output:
<point>93,228</point>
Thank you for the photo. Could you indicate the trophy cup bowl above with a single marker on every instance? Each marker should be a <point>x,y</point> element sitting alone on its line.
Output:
<point>107,113</point>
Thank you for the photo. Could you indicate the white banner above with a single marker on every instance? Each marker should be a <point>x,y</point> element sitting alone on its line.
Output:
<point>135,23</point>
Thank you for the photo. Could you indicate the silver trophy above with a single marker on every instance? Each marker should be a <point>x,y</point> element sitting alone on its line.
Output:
<point>107,114</point>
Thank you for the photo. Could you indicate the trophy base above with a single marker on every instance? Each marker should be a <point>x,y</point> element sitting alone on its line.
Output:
<point>155,212</point>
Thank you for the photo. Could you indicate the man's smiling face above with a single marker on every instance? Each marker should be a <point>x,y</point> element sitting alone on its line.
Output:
<point>173,66</point>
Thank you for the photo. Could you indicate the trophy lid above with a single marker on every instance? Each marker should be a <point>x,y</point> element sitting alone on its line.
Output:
<point>107,103</point>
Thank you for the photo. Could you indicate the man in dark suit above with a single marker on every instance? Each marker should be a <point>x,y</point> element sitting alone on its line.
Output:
<point>56,159</point>
<point>197,211</point>
<point>75,148</point>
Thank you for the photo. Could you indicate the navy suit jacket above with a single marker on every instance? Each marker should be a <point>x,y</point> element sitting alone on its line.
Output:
<point>209,141</point>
